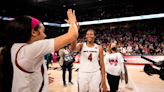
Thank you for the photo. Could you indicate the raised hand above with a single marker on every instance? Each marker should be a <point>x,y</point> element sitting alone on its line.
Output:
<point>71,17</point>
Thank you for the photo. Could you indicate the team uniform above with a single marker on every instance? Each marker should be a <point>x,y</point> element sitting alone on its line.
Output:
<point>89,76</point>
<point>114,66</point>
<point>30,72</point>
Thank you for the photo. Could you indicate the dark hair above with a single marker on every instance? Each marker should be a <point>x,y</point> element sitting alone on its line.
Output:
<point>114,49</point>
<point>16,31</point>
<point>91,29</point>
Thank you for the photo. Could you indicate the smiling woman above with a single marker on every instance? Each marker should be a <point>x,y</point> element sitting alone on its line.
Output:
<point>91,68</point>
<point>23,54</point>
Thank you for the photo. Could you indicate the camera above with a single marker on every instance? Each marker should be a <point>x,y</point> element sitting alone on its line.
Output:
<point>148,69</point>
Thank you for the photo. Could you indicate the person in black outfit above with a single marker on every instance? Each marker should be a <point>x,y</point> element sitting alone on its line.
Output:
<point>48,57</point>
<point>68,60</point>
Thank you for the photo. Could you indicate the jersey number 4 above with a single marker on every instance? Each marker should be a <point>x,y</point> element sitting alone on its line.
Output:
<point>90,57</point>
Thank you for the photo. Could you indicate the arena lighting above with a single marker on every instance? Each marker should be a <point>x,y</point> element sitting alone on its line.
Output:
<point>83,23</point>
<point>52,24</point>
<point>7,18</point>
<point>141,17</point>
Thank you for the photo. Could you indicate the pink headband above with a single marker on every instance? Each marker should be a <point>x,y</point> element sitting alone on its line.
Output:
<point>34,22</point>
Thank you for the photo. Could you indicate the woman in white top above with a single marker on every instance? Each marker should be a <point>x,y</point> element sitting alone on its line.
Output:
<point>114,66</point>
<point>91,69</point>
<point>26,47</point>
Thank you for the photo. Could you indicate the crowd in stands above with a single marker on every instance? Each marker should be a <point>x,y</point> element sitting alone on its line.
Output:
<point>144,37</point>
<point>134,39</point>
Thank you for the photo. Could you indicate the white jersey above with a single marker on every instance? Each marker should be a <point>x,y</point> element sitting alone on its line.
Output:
<point>30,58</point>
<point>89,59</point>
<point>114,63</point>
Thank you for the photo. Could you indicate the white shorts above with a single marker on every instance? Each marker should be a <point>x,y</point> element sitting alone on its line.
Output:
<point>89,81</point>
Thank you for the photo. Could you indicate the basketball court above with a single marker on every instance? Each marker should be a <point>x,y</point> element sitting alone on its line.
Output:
<point>139,81</point>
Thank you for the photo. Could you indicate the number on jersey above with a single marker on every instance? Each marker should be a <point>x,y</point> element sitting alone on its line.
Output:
<point>90,57</point>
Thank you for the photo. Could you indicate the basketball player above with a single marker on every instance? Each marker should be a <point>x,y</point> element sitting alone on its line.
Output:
<point>91,69</point>
<point>114,66</point>
<point>26,47</point>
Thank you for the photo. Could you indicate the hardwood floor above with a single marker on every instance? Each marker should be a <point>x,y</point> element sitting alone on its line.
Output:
<point>138,80</point>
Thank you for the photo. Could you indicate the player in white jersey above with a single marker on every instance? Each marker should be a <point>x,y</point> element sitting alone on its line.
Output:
<point>24,52</point>
<point>114,66</point>
<point>91,69</point>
